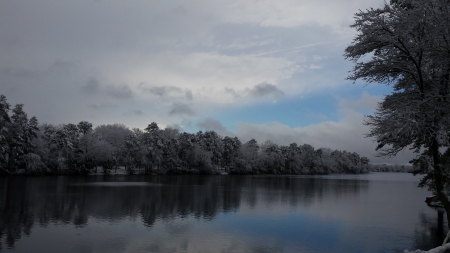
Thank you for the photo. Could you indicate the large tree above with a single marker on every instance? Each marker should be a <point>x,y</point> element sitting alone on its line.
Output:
<point>406,44</point>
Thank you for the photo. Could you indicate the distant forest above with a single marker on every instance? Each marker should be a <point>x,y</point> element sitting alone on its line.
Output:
<point>27,147</point>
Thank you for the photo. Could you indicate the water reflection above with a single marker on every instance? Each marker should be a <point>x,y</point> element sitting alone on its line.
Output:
<point>262,211</point>
<point>430,231</point>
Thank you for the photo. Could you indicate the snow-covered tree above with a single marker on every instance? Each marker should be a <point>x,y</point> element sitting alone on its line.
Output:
<point>153,146</point>
<point>114,134</point>
<point>327,162</point>
<point>272,159</point>
<point>210,141</point>
<point>84,127</point>
<point>186,147</point>
<point>202,159</point>
<point>231,148</point>
<point>406,44</point>
<point>168,147</point>
<point>21,133</point>
<point>249,156</point>
<point>4,123</point>
<point>132,153</point>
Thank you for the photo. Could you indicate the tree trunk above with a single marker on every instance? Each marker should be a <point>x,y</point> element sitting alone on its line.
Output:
<point>438,180</point>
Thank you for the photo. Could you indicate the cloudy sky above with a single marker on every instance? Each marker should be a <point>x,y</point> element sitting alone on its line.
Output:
<point>260,69</point>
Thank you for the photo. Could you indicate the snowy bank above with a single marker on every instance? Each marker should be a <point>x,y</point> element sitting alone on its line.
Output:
<point>440,249</point>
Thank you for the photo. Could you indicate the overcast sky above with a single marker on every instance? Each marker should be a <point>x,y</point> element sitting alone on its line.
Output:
<point>260,69</point>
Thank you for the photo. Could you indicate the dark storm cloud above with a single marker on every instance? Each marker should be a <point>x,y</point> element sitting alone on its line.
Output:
<point>264,90</point>
<point>181,109</point>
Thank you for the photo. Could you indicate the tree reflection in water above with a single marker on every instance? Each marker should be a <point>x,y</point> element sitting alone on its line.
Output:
<point>76,201</point>
<point>430,232</point>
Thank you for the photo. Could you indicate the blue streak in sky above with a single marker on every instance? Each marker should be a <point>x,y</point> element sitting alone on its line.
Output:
<point>300,111</point>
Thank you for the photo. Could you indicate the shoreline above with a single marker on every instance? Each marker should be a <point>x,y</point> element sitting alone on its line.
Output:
<point>122,171</point>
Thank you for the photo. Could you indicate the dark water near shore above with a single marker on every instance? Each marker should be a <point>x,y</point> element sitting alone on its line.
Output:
<point>380,212</point>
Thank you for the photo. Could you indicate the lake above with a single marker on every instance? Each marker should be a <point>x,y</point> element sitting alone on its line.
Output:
<point>377,212</point>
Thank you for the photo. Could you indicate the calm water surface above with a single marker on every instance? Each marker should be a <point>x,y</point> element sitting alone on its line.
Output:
<point>379,212</point>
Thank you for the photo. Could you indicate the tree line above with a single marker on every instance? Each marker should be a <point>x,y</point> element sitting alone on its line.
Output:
<point>28,147</point>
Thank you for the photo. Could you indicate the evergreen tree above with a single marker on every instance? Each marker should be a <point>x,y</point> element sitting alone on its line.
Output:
<point>21,134</point>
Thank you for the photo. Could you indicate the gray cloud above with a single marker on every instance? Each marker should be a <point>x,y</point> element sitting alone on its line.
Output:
<point>262,90</point>
<point>64,68</point>
<point>162,91</point>
<point>181,109</point>
<point>168,91</point>
<point>102,106</point>
<point>18,73</point>
<point>54,68</point>
<point>265,90</point>
<point>120,91</point>
<point>136,112</point>
<point>232,92</point>
<point>175,126</point>
<point>189,94</point>
<point>210,124</point>
<point>366,102</point>
<point>92,86</point>
<point>186,123</point>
